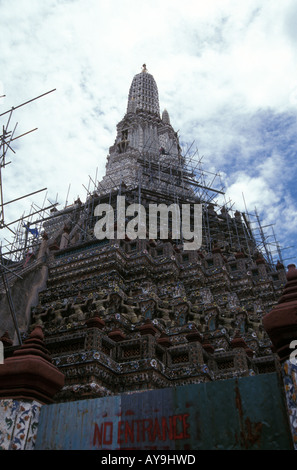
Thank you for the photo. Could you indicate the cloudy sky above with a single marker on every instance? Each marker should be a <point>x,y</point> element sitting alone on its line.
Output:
<point>225,70</point>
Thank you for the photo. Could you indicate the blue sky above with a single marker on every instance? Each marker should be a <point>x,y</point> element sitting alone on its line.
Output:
<point>226,73</point>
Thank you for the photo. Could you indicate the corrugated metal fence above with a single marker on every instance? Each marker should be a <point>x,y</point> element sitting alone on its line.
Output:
<point>245,413</point>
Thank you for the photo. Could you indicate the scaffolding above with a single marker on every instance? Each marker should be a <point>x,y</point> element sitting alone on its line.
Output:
<point>9,258</point>
<point>161,177</point>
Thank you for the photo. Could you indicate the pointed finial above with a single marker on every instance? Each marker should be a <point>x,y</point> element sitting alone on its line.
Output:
<point>165,117</point>
<point>144,69</point>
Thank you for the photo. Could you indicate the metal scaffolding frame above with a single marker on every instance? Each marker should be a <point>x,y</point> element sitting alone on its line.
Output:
<point>179,179</point>
<point>7,137</point>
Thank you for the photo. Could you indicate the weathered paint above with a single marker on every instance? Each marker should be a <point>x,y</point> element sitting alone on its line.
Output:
<point>244,413</point>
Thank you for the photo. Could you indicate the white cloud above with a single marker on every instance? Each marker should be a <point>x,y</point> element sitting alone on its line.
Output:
<point>225,71</point>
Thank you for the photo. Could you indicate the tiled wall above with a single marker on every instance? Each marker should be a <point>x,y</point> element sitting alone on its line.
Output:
<point>18,424</point>
<point>289,372</point>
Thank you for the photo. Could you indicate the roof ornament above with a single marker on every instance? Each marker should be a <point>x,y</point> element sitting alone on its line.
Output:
<point>144,69</point>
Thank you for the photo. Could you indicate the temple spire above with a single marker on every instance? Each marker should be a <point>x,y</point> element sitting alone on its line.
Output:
<point>142,133</point>
<point>143,93</point>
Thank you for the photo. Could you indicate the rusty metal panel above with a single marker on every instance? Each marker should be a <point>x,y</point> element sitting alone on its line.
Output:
<point>244,413</point>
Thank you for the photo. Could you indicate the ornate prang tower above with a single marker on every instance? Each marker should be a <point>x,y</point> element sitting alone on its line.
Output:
<point>134,314</point>
<point>144,141</point>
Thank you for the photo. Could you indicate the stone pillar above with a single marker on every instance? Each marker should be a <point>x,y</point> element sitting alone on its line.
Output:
<point>281,326</point>
<point>65,238</point>
<point>28,379</point>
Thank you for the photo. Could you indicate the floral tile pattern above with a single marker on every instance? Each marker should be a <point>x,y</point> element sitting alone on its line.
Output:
<point>18,424</point>
<point>289,373</point>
